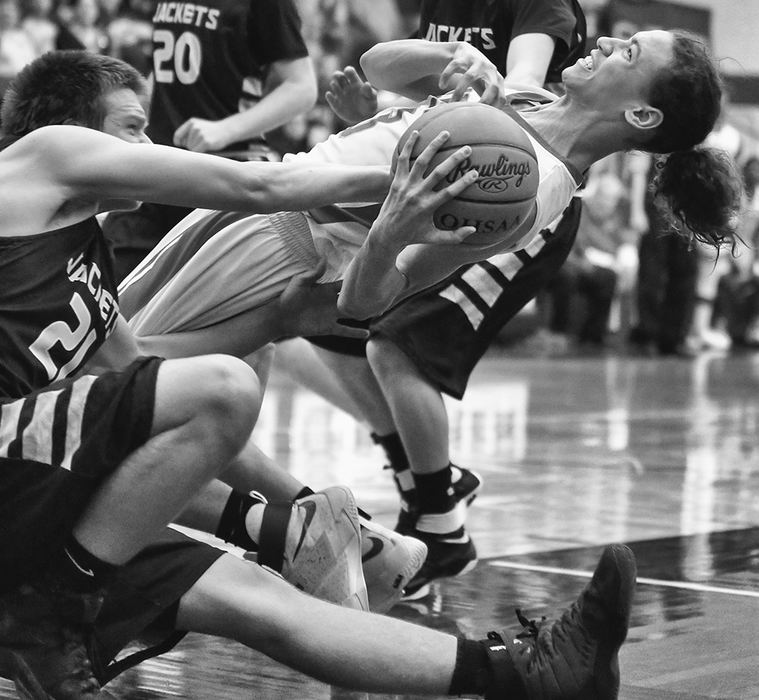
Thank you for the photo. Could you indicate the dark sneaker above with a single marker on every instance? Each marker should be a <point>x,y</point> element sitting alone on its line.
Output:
<point>574,657</point>
<point>315,544</point>
<point>466,485</point>
<point>390,560</point>
<point>445,557</point>
<point>45,635</point>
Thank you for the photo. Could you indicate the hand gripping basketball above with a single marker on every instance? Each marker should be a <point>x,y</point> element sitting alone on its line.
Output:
<point>504,194</point>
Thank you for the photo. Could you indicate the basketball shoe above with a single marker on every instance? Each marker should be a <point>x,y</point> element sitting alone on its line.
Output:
<point>466,485</point>
<point>574,657</point>
<point>447,555</point>
<point>390,561</point>
<point>315,544</point>
<point>45,636</point>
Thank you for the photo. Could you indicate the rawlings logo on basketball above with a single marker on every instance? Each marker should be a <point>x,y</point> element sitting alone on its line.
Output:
<point>495,176</point>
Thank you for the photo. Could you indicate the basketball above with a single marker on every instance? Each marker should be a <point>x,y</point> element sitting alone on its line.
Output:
<point>504,193</point>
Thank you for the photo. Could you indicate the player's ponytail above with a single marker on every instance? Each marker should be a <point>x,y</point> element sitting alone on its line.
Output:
<point>700,186</point>
<point>700,189</point>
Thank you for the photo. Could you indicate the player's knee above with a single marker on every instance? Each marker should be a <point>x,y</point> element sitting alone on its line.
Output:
<point>383,356</point>
<point>230,396</point>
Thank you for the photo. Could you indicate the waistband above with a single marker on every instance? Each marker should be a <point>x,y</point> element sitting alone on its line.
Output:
<point>293,230</point>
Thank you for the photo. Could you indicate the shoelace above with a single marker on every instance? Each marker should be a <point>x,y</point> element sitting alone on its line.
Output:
<point>530,627</point>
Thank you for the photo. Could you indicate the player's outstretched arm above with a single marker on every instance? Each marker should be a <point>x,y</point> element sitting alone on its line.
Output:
<point>373,281</point>
<point>81,165</point>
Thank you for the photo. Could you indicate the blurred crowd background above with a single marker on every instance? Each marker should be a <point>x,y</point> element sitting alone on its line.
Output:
<point>627,287</point>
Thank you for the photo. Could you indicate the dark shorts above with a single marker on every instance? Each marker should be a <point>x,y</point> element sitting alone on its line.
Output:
<point>445,330</point>
<point>56,447</point>
<point>141,602</point>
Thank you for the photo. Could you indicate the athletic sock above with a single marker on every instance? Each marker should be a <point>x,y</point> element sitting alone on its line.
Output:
<point>77,569</point>
<point>439,512</point>
<point>398,462</point>
<point>231,526</point>
<point>471,673</point>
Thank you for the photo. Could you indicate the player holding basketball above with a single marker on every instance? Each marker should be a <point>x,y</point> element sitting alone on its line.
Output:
<point>224,74</point>
<point>93,467</point>
<point>429,344</point>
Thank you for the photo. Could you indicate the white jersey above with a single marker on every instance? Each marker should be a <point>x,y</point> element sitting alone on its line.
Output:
<point>339,231</point>
<point>214,265</point>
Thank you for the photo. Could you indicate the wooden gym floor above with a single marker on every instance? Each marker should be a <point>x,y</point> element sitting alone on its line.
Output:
<point>662,454</point>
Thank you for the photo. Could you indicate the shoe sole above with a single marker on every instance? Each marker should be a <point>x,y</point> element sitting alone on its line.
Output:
<point>426,589</point>
<point>330,567</point>
<point>385,590</point>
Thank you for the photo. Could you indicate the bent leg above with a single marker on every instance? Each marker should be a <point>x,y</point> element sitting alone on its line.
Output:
<point>204,411</point>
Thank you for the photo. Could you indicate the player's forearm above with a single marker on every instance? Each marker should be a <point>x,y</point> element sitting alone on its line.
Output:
<point>372,281</point>
<point>275,109</point>
<point>238,336</point>
<point>409,67</point>
<point>295,188</point>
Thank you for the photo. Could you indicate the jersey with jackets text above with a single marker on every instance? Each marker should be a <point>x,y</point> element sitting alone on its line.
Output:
<point>210,60</point>
<point>490,26</point>
<point>58,304</point>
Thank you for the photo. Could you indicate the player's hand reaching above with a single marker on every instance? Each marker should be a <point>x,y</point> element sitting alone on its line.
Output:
<point>201,135</point>
<point>351,98</point>
<point>406,216</point>
<point>308,308</point>
<point>471,68</point>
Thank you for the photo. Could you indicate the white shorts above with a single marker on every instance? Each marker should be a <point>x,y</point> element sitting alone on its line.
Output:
<point>208,268</point>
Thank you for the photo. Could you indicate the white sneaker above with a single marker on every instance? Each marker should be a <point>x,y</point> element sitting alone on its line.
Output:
<point>390,560</point>
<point>322,551</point>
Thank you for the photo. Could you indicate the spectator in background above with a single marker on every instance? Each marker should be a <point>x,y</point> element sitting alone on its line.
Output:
<point>584,287</point>
<point>737,305</point>
<point>84,24</point>
<point>666,282</point>
<point>17,47</point>
<point>253,73</point>
<point>128,24</point>
<point>704,334</point>
<point>39,24</point>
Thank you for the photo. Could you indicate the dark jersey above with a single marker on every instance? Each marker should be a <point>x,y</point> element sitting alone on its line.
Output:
<point>210,60</point>
<point>491,25</point>
<point>58,304</point>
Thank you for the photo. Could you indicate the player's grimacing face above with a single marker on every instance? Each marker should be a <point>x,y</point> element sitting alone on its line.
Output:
<point>620,71</point>
<point>125,117</point>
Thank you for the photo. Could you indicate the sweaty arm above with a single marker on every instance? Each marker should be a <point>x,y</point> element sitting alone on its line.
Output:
<point>290,90</point>
<point>81,166</point>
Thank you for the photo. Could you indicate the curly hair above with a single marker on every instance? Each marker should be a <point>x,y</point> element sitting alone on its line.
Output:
<point>65,87</point>
<point>700,186</point>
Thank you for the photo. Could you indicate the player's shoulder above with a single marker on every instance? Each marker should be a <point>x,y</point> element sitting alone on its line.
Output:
<point>49,140</point>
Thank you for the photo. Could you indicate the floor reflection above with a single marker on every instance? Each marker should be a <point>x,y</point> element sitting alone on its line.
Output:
<point>575,453</point>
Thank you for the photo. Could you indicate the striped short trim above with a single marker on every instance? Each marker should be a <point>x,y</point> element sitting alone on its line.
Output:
<point>88,425</point>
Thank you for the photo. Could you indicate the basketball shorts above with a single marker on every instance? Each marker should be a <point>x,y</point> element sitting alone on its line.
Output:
<point>446,329</point>
<point>141,603</point>
<point>210,267</point>
<point>56,447</point>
